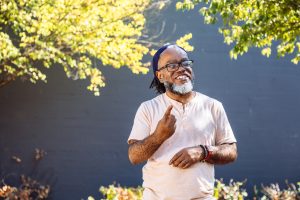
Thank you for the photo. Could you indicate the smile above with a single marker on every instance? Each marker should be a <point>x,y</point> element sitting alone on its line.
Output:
<point>182,77</point>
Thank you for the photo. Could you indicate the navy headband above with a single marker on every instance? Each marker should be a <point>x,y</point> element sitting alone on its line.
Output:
<point>157,55</point>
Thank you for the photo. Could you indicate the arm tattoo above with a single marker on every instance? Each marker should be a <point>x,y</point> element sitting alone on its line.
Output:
<point>223,154</point>
<point>141,150</point>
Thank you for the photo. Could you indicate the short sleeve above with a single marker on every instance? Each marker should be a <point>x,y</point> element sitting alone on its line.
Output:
<point>141,124</point>
<point>224,133</point>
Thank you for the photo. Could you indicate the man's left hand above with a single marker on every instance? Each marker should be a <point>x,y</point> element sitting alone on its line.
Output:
<point>187,157</point>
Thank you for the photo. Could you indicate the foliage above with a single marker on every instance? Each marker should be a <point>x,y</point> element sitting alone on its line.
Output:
<point>254,23</point>
<point>35,34</point>
<point>232,191</point>
<point>273,192</point>
<point>113,192</point>
<point>26,188</point>
<point>29,189</point>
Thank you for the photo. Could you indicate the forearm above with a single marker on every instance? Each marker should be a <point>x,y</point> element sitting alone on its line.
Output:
<point>141,150</point>
<point>222,154</point>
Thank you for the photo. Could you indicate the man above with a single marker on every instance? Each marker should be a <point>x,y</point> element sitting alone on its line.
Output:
<point>180,133</point>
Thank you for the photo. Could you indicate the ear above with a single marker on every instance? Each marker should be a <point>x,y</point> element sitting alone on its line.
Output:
<point>160,76</point>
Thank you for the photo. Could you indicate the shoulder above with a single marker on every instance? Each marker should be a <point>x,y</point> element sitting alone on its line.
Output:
<point>152,104</point>
<point>208,101</point>
<point>213,105</point>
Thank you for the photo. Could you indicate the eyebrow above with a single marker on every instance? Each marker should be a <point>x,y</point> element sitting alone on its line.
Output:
<point>175,61</point>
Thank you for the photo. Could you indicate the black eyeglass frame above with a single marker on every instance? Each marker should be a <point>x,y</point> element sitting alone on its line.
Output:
<point>177,66</point>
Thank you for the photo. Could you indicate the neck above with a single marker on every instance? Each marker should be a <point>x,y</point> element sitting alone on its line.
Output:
<point>184,98</point>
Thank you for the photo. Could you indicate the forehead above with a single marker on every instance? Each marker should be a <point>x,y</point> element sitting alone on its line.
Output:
<point>172,54</point>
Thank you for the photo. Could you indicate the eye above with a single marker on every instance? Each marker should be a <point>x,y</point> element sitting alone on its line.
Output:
<point>187,63</point>
<point>172,65</point>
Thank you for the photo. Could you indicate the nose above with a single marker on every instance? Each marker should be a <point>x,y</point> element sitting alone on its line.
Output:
<point>180,68</point>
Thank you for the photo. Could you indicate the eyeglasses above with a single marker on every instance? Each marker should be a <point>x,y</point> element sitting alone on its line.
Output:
<point>171,67</point>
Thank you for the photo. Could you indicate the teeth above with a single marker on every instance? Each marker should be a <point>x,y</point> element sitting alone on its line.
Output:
<point>182,77</point>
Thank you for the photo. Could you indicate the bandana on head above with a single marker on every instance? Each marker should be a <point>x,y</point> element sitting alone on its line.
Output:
<point>157,55</point>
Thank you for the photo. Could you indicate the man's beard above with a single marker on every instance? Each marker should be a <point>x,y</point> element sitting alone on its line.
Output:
<point>179,89</point>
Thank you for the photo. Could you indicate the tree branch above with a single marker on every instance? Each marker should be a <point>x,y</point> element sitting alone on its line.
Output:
<point>6,80</point>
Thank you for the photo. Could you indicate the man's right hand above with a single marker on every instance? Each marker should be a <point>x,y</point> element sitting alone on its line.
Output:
<point>141,150</point>
<point>166,126</point>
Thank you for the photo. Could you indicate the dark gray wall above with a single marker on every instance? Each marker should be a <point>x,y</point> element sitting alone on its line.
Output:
<point>85,136</point>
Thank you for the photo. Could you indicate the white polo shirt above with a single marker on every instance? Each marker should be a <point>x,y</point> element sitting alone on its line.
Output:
<point>201,121</point>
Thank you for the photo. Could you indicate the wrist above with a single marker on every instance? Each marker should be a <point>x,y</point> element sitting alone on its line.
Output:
<point>209,152</point>
<point>159,138</point>
<point>203,152</point>
<point>206,153</point>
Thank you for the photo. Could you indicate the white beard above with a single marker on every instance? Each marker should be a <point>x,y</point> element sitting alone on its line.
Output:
<point>179,89</point>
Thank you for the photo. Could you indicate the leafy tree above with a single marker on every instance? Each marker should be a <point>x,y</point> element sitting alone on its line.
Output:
<point>35,34</point>
<point>254,23</point>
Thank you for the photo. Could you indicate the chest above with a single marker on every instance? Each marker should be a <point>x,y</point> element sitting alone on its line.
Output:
<point>194,125</point>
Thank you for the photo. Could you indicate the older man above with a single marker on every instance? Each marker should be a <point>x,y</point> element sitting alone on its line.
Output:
<point>180,133</point>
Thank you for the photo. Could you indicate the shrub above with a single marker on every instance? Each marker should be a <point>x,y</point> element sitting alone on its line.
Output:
<point>29,189</point>
<point>231,191</point>
<point>273,192</point>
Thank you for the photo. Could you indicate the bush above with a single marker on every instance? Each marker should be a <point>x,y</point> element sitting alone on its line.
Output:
<point>29,189</point>
<point>232,191</point>
<point>273,192</point>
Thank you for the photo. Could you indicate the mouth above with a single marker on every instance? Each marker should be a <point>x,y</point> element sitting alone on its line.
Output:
<point>183,77</point>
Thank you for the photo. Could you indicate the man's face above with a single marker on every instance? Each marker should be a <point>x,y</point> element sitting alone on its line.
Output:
<point>179,81</point>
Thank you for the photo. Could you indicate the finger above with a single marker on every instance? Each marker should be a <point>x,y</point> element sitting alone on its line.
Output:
<point>186,165</point>
<point>178,161</point>
<point>172,119</point>
<point>183,163</point>
<point>175,157</point>
<point>168,111</point>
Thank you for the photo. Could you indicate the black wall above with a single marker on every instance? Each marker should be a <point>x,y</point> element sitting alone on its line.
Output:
<point>85,136</point>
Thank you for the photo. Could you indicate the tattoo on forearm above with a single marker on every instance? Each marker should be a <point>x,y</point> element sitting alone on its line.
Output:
<point>141,150</point>
<point>223,154</point>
